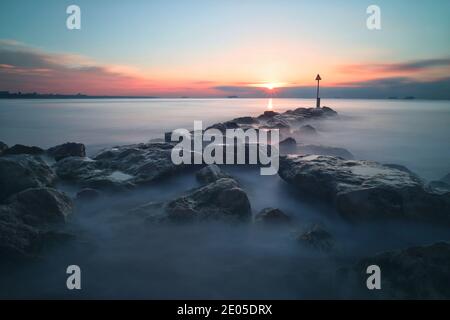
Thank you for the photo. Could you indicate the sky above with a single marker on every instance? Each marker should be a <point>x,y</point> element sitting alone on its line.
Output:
<point>212,48</point>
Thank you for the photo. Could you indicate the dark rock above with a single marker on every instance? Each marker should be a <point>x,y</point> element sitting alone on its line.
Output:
<point>306,130</point>
<point>439,187</point>
<point>272,216</point>
<point>317,238</point>
<point>288,145</point>
<point>27,220</point>
<point>21,149</point>
<point>364,190</point>
<point>87,195</point>
<point>3,147</point>
<point>245,120</point>
<point>324,151</point>
<point>420,272</point>
<point>220,200</point>
<point>268,115</point>
<point>120,168</point>
<point>210,174</point>
<point>40,206</point>
<point>69,149</point>
<point>20,172</point>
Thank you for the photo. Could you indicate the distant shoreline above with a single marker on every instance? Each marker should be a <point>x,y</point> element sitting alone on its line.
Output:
<point>35,96</point>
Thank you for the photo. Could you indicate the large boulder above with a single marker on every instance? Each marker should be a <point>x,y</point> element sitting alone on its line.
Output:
<point>420,272</point>
<point>365,190</point>
<point>40,206</point>
<point>120,167</point>
<point>21,149</point>
<point>28,218</point>
<point>19,172</point>
<point>306,130</point>
<point>69,149</point>
<point>220,200</point>
<point>210,174</point>
<point>324,151</point>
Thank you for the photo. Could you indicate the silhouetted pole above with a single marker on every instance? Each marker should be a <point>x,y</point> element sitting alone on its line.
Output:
<point>318,78</point>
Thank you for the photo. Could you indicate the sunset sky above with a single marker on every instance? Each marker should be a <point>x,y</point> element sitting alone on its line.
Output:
<point>208,48</point>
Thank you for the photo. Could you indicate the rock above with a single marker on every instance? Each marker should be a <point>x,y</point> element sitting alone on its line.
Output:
<point>365,190</point>
<point>317,238</point>
<point>20,172</point>
<point>288,145</point>
<point>268,115</point>
<point>40,206</point>
<point>220,200</point>
<point>288,142</point>
<point>3,147</point>
<point>28,218</point>
<point>245,120</point>
<point>21,149</point>
<point>439,187</point>
<point>222,127</point>
<point>306,130</point>
<point>69,149</point>
<point>120,167</point>
<point>87,194</point>
<point>420,272</point>
<point>324,151</point>
<point>210,174</point>
<point>272,216</point>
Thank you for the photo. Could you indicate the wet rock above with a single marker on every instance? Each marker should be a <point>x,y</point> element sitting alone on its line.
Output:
<point>40,206</point>
<point>419,272</point>
<point>21,149</point>
<point>222,127</point>
<point>365,190</point>
<point>324,151</point>
<point>120,167</point>
<point>20,172</point>
<point>268,115</point>
<point>220,200</point>
<point>306,130</point>
<point>3,147</point>
<point>441,186</point>
<point>272,216</point>
<point>87,194</point>
<point>318,238</point>
<point>245,120</point>
<point>210,174</point>
<point>28,218</point>
<point>288,145</point>
<point>69,149</point>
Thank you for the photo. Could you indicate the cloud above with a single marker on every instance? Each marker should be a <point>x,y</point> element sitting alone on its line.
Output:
<point>403,67</point>
<point>23,68</point>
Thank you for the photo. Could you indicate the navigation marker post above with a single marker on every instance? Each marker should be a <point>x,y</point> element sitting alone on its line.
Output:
<point>318,78</point>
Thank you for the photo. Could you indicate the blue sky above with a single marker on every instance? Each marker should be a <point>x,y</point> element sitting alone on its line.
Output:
<point>177,45</point>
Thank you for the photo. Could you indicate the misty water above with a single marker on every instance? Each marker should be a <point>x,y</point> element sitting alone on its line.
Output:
<point>122,257</point>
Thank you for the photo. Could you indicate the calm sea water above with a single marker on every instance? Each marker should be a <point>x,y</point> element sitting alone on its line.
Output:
<point>413,133</point>
<point>121,257</point>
